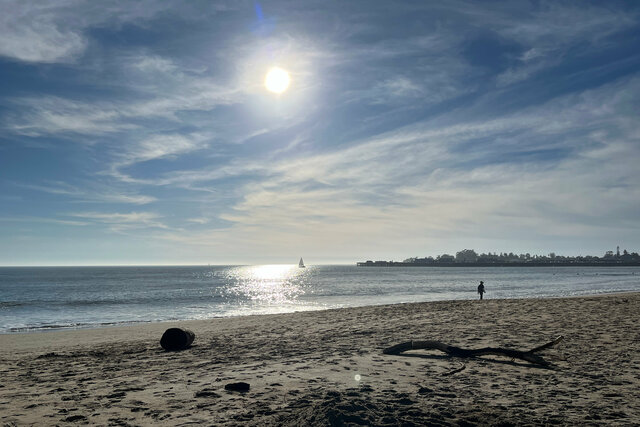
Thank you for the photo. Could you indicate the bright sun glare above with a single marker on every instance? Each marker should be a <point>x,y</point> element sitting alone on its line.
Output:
<point>277,80</point>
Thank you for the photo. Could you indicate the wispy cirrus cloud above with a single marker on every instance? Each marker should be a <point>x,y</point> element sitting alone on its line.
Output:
<point>32,32</point>
<point>201,220</point>
<point>49,115</point>
<point>43,220</point>
<point>547,39</point>
<point>153,148</point>
<point>90,194</point>
<point>161,146</point>
<point>37,32</point>
<point>121,222</point>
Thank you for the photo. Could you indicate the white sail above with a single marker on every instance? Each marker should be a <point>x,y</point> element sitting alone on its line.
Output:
<point>301,263</point>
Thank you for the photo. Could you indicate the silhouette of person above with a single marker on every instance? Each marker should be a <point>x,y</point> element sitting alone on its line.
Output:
<point>481,288</point>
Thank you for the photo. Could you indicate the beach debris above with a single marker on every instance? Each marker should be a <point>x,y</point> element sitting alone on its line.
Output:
<point>240,386</point>
<point>528,356</point>
<point>455,371</point>
<point>175,339</point>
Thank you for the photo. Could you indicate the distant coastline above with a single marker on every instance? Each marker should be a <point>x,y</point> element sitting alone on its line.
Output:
<point>496,264</point>
<point>469,258</point>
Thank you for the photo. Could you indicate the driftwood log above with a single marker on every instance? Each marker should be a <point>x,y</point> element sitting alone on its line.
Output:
<point>528,356</point>
<point>175,339</point>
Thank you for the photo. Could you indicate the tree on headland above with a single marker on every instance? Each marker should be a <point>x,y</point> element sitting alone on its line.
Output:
<point>466,255</point>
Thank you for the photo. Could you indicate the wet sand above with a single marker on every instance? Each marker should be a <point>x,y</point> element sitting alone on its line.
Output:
<point>327,368</point>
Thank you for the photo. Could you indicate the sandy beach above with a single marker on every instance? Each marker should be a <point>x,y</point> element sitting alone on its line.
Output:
<point>327,368</point>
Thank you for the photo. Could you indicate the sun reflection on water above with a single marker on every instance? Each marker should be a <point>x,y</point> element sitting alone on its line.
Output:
<point>270,284</point>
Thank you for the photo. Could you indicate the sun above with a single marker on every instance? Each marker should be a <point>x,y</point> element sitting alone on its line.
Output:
<point>277,80</point>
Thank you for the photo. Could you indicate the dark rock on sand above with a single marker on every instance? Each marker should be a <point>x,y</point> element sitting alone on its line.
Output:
<point>175,339</point>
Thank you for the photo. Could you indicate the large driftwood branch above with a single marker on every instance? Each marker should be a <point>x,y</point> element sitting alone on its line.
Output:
<point>529,356</point>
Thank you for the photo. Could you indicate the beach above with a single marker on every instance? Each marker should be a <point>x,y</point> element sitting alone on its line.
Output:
<point>327,368</point>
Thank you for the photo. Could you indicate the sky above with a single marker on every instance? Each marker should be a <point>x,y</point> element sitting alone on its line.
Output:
<point>142,132</point>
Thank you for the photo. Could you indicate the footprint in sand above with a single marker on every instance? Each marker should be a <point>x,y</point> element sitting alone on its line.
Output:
<point>74,418</point>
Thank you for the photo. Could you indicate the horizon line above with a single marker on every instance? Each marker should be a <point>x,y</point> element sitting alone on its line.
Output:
<point>162,265</point>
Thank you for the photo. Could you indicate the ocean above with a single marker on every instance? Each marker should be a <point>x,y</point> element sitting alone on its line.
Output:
<point>51,298</point>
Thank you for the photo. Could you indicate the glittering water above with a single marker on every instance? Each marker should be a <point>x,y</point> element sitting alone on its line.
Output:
<point>46,298</point>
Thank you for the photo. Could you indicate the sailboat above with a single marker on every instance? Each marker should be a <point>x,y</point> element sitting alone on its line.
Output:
<point>301,263</point>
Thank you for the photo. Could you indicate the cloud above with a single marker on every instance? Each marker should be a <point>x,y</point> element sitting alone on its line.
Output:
<point>201,220</point>
<point>56,32</point>
<point>34,219</point>
<point>153,148</point>
<point>121,222</point>
<point>418,71</point>
<point>90,194</point>
<point>154,64</point>
<point>547,38</point>
<point>160,146</point>
<point>136,199</point>
<point>32,32</point>
<point>50,115</point>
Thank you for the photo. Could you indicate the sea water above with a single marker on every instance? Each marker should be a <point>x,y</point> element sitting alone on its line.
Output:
<point>49,298</point>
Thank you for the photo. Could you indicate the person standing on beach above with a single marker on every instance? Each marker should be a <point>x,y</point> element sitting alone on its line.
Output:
<point>481,288</point>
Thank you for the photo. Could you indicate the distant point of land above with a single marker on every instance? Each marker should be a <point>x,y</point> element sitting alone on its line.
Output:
<point>469,258</point>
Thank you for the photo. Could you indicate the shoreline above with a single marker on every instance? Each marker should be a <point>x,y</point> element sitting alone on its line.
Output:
<point>324,367</point>
<point>142,323</point>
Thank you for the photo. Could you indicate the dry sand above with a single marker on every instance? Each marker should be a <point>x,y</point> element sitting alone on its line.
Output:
<point>304,368</point>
